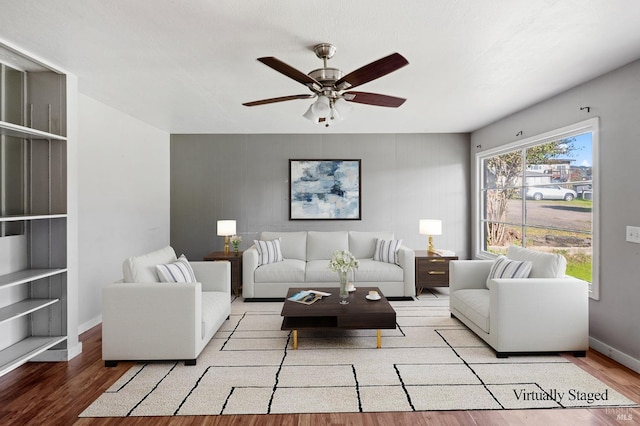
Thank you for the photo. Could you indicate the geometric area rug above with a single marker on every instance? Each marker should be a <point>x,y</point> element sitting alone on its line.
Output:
<point>429,362</point>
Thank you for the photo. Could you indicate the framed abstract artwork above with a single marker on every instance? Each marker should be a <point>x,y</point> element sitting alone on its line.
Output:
<point>324,189</point>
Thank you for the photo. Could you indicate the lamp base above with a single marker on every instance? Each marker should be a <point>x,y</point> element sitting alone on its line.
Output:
<point>226,244</point>
<point>430,249</point>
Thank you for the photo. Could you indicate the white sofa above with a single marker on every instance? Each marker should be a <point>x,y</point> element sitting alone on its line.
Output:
<point>546,312</point>
<point>306,264</point>
<point>144,319</point>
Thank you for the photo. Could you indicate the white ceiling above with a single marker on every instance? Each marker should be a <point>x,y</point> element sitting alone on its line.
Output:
<point>187,66</point>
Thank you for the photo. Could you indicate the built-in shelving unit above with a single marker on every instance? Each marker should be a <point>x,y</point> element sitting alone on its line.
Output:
<point>33,213</point>
<point>17,131</point>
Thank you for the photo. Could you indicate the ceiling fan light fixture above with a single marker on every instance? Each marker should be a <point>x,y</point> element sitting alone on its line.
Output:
<point>321,107</point>
<point>342,109</point>
<point>309,115</point>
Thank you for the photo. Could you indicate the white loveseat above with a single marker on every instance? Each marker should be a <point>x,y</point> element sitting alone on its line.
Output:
<point>144,319</point>
<point>546,312</point>
<point>306,264</point>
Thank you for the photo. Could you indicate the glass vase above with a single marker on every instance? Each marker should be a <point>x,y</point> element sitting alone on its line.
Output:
<point>344,289</point>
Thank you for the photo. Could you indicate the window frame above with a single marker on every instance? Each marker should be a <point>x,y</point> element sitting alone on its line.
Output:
<point>590,125</point>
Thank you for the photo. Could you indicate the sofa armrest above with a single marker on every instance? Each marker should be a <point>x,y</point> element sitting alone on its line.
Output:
<point>151,320</point>
<point>407,261</point>
<point>552,311</point>
<point>468,274</point>
<point>249,265</point>
<point>214,276</point>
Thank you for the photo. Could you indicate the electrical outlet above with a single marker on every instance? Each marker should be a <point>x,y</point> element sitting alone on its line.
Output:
<point>633,234</point>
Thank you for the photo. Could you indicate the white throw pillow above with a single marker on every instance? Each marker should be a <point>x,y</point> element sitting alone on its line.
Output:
<point>268,251</point>
<point>504,267</point>
<point>387,251</point>
<point>142,269</point>
<point>177,272</point>
<point>545,265</point>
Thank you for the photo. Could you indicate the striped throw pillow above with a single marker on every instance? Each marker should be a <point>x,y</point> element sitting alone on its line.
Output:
<point>177,272</point>
<point>387,251</point>
<point>503,267</point>
<point>268,251</point>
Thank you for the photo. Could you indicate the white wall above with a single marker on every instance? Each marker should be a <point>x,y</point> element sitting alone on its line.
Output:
<point>123,198</point>
<point>614,97</point>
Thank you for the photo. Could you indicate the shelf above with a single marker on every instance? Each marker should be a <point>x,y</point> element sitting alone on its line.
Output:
<point>24,307</point>
<point>27,275</point>
<point>18,218</point>
<point>10,129</point>
<point>21,352</point>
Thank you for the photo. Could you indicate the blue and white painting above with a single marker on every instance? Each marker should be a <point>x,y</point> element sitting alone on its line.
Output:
<point>325,189</point>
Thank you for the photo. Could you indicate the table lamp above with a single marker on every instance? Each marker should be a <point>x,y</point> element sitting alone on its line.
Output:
<point>430,227</point>
<point>226,228</point>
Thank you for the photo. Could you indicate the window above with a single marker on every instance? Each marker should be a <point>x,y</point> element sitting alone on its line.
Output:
<point>539,194</point>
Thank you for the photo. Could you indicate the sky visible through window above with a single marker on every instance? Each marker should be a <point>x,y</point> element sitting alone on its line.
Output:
<point>582,153</point>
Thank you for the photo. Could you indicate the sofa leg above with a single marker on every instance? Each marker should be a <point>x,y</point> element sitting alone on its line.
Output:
<point>502,355</point>
<point>580,354</point>
<point>190,362</point>
<point>111,364</point>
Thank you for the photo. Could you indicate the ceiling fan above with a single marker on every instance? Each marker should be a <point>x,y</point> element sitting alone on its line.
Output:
<point>329,85</point>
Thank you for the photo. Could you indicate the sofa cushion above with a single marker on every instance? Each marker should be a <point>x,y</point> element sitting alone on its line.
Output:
<point>142,269</point>
<point>268,251</point>
<point>292,244</point>
<point>318,271</point>
<point>544,265</point>
<point>387,251</point>
<point>176,272</point>
<point>373,271</point>
<point>473,304</point>
<point>504,267</point>
<point>363,244</point>
<point>321,245</point>
<point>287,271</point>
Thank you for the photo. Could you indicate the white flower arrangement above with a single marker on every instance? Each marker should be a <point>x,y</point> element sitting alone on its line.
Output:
<point>343,261</point>
<point>235,240</point>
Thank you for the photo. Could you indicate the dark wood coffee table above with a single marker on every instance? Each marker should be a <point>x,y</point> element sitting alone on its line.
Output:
<point>328,313</point>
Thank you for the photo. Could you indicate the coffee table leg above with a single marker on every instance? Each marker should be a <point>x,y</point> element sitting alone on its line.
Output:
<point>379,339</point>
<point>295,339</point>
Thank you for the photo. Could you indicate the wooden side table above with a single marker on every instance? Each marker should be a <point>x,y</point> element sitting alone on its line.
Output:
<point>432,270</point>
<point>236,267</point>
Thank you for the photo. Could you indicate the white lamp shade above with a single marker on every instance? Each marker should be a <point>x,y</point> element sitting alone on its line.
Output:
<point>321,107</point>
<point>226,227</point>
<point>342,109</point>
<point>430,227</point>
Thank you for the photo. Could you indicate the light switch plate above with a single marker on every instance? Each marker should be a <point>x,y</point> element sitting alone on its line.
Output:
<point>633,234</point>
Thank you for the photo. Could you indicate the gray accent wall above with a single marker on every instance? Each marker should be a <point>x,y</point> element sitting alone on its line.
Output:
<point>405,178</point>
<point>615,99</point>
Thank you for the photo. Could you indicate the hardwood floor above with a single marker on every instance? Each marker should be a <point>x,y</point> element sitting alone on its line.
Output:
<point>56,393</point>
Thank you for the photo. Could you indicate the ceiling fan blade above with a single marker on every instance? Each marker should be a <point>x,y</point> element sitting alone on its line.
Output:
<point>291,72</point>
<point>274,100</point>
<point>370,72</point>
<point>374,99</point>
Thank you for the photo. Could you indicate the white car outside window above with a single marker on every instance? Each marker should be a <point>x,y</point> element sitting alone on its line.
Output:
<point>551,193</point>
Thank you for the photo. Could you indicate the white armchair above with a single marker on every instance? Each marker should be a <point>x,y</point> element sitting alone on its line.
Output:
<point>149,320</point>
<point>522,315</point>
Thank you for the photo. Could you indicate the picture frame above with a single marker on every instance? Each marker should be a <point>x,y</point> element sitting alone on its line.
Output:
<point>325,189</point>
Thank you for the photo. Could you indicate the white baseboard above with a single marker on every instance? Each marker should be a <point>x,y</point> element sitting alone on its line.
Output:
<point>86,326</point>
<point>616,355</point>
